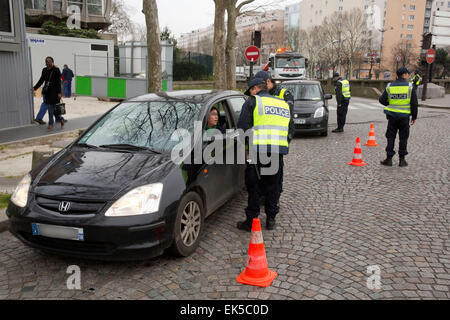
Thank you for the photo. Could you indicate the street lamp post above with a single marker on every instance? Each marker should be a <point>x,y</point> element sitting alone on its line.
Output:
<point>313,60</point>
<point>381,44</point>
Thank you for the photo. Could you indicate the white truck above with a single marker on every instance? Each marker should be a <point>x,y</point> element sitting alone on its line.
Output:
<point>286,65</point>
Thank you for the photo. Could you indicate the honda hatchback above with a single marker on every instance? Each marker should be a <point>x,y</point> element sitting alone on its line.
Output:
<point>116,193</point>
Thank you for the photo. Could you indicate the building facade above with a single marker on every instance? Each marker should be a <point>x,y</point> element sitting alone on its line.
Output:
<point>16,102</point>
<point>93,13</point>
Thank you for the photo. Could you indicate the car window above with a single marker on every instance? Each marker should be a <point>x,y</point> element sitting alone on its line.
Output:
<point>305,92</point>
<point>236,104</point>
<point>144,124</point>
<point>224,119</point>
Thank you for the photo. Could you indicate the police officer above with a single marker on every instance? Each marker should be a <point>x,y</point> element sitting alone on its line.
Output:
<point>270,120</point>
<point>401,103</point>
<point>416,80</point>
<point>343,95</point>
<point>287,96</point>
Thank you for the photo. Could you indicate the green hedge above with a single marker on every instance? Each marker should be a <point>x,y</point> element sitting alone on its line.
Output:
<point>188,71</point>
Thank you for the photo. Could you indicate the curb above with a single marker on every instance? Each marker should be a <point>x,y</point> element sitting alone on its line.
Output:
<point>433,107</point>
<point>42,137</point>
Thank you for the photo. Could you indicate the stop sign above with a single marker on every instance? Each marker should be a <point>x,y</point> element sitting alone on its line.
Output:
<point>398,58</point>
<point>431,55</point>
<point>252,53</point>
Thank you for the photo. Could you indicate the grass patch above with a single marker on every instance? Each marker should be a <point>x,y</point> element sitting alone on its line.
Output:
<point>4,200</point>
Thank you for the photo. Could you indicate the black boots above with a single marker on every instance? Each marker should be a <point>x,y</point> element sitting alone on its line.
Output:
<point>403,162</point>
<point>245,225</point>
<point>387,162</point>
<point>270,223</point>
<point>338,130</point>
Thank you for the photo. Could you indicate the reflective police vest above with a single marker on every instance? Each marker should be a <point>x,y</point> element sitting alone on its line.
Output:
<point>345,88</point>
<point>399,98</point>
<point>271,119</point>
<point>417,79</point>
<point>281,94</point>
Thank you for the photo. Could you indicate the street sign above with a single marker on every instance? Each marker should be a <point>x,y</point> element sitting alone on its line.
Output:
<point>431,55</point>
<point>252,53</point>
<point>398,58</point>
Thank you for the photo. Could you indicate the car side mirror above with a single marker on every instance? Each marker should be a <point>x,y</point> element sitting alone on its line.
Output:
<point>328,96</point>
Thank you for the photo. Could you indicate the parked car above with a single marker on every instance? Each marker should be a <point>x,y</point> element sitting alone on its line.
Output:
<point>310,106</point>
<point>115,193</point>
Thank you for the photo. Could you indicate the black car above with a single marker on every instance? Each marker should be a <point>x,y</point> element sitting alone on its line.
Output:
<point>310,106</point>
<point>116,193</point>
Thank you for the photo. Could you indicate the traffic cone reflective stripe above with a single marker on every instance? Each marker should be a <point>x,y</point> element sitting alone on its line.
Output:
<point>257,272</point>
<point>372,142</point>
<point>357,156</point>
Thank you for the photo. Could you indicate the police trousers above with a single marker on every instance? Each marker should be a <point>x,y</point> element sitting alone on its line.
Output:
<point>342,113</point>
<point>263,185</point>
<point>400,125</point>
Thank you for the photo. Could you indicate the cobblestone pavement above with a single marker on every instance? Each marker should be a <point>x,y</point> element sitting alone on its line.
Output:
<point>335,221</point>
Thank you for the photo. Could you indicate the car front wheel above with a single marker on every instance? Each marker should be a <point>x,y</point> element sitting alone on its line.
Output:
<point>188,225</point>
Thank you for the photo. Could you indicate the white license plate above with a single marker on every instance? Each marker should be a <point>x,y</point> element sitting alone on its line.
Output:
<point>57,232</point>
<point>299,121</point>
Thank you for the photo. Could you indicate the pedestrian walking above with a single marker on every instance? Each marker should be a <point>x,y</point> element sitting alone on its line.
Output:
<point>51,91</point>
<point>287,96</point>
<point>417,79</point>
<point>67,76</point>
<point>269,118</point>
<point>401,103</point>
<point>343,96</point>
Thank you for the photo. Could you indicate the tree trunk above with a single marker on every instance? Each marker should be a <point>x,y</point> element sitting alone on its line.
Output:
<point>230,54</point>
<point>150,11</point>
<point>219,45</point>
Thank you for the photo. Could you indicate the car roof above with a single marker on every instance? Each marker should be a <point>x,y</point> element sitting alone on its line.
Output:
<point>196,96</point>
<point>301,82</point>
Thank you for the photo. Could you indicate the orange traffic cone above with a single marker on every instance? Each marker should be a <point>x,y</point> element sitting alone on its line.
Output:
<point>357,157</point>
<point>372,142</point>
<point>257,272</point>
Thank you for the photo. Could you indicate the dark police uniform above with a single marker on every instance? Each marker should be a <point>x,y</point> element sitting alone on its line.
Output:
<point>416,81</point>
<point>401,102</point>
<point>343,95</point>
<point>253,179</point>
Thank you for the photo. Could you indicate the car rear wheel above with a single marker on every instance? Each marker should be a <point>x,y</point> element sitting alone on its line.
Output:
<point>188,225</point>
<point>324,134</point>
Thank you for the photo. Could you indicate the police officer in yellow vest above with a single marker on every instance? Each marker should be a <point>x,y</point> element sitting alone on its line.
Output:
<point>401,103</point>
<point>270,119</point>
<point>280,93</point>
<point>343,95</point>
<point>416,80</point>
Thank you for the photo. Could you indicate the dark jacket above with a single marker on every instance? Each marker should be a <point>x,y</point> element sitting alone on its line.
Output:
<point>54,86</point>
<point>67,74</point>
<point>338,91</point>
<point>246,118</point>
<point>384,100</point>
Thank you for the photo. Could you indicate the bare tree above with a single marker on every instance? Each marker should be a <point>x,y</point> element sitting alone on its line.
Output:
<point>219,44</point>
<point>121,23</point>
<point>150,10</point>
<point>409,52</point>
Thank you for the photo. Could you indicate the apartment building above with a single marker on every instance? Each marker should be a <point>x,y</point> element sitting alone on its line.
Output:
<point>94,13</point>
<point>405,23</point>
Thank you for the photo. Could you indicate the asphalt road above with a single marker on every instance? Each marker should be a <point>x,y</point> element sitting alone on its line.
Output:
<point>336,223</point>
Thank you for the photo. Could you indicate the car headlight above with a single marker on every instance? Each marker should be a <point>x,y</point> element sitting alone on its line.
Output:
<point>20,195</point>
<point>319,112</point>
<point>142,200</point>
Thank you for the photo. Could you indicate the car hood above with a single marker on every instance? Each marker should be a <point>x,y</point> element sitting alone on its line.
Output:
<point>98,175</point>
<point>307,106</point>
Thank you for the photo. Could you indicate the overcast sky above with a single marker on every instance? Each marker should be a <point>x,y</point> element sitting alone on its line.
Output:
<point>185,15</point>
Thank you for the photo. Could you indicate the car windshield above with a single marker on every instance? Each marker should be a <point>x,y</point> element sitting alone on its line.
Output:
<point>290,62</point>
<point>305,91</point>
<point>149,125</point>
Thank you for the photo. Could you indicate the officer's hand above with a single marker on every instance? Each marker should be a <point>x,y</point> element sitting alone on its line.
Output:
<point>339,105</point>
<point>413,122</point>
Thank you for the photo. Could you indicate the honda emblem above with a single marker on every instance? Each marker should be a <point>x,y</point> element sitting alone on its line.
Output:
<point>64,206</point>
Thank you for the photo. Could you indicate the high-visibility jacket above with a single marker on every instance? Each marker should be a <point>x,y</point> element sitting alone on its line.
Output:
<point>399,98</point>
<point>281,94</point>
<point>271,119</point>
<point>345,88</point>
<point>417,79</point>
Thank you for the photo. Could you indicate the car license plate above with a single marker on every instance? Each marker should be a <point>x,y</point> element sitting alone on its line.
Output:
<point>300,121</point>
<point>58,232</point>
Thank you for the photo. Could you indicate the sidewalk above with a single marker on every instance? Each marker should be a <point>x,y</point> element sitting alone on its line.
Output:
<point>441,103</point>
